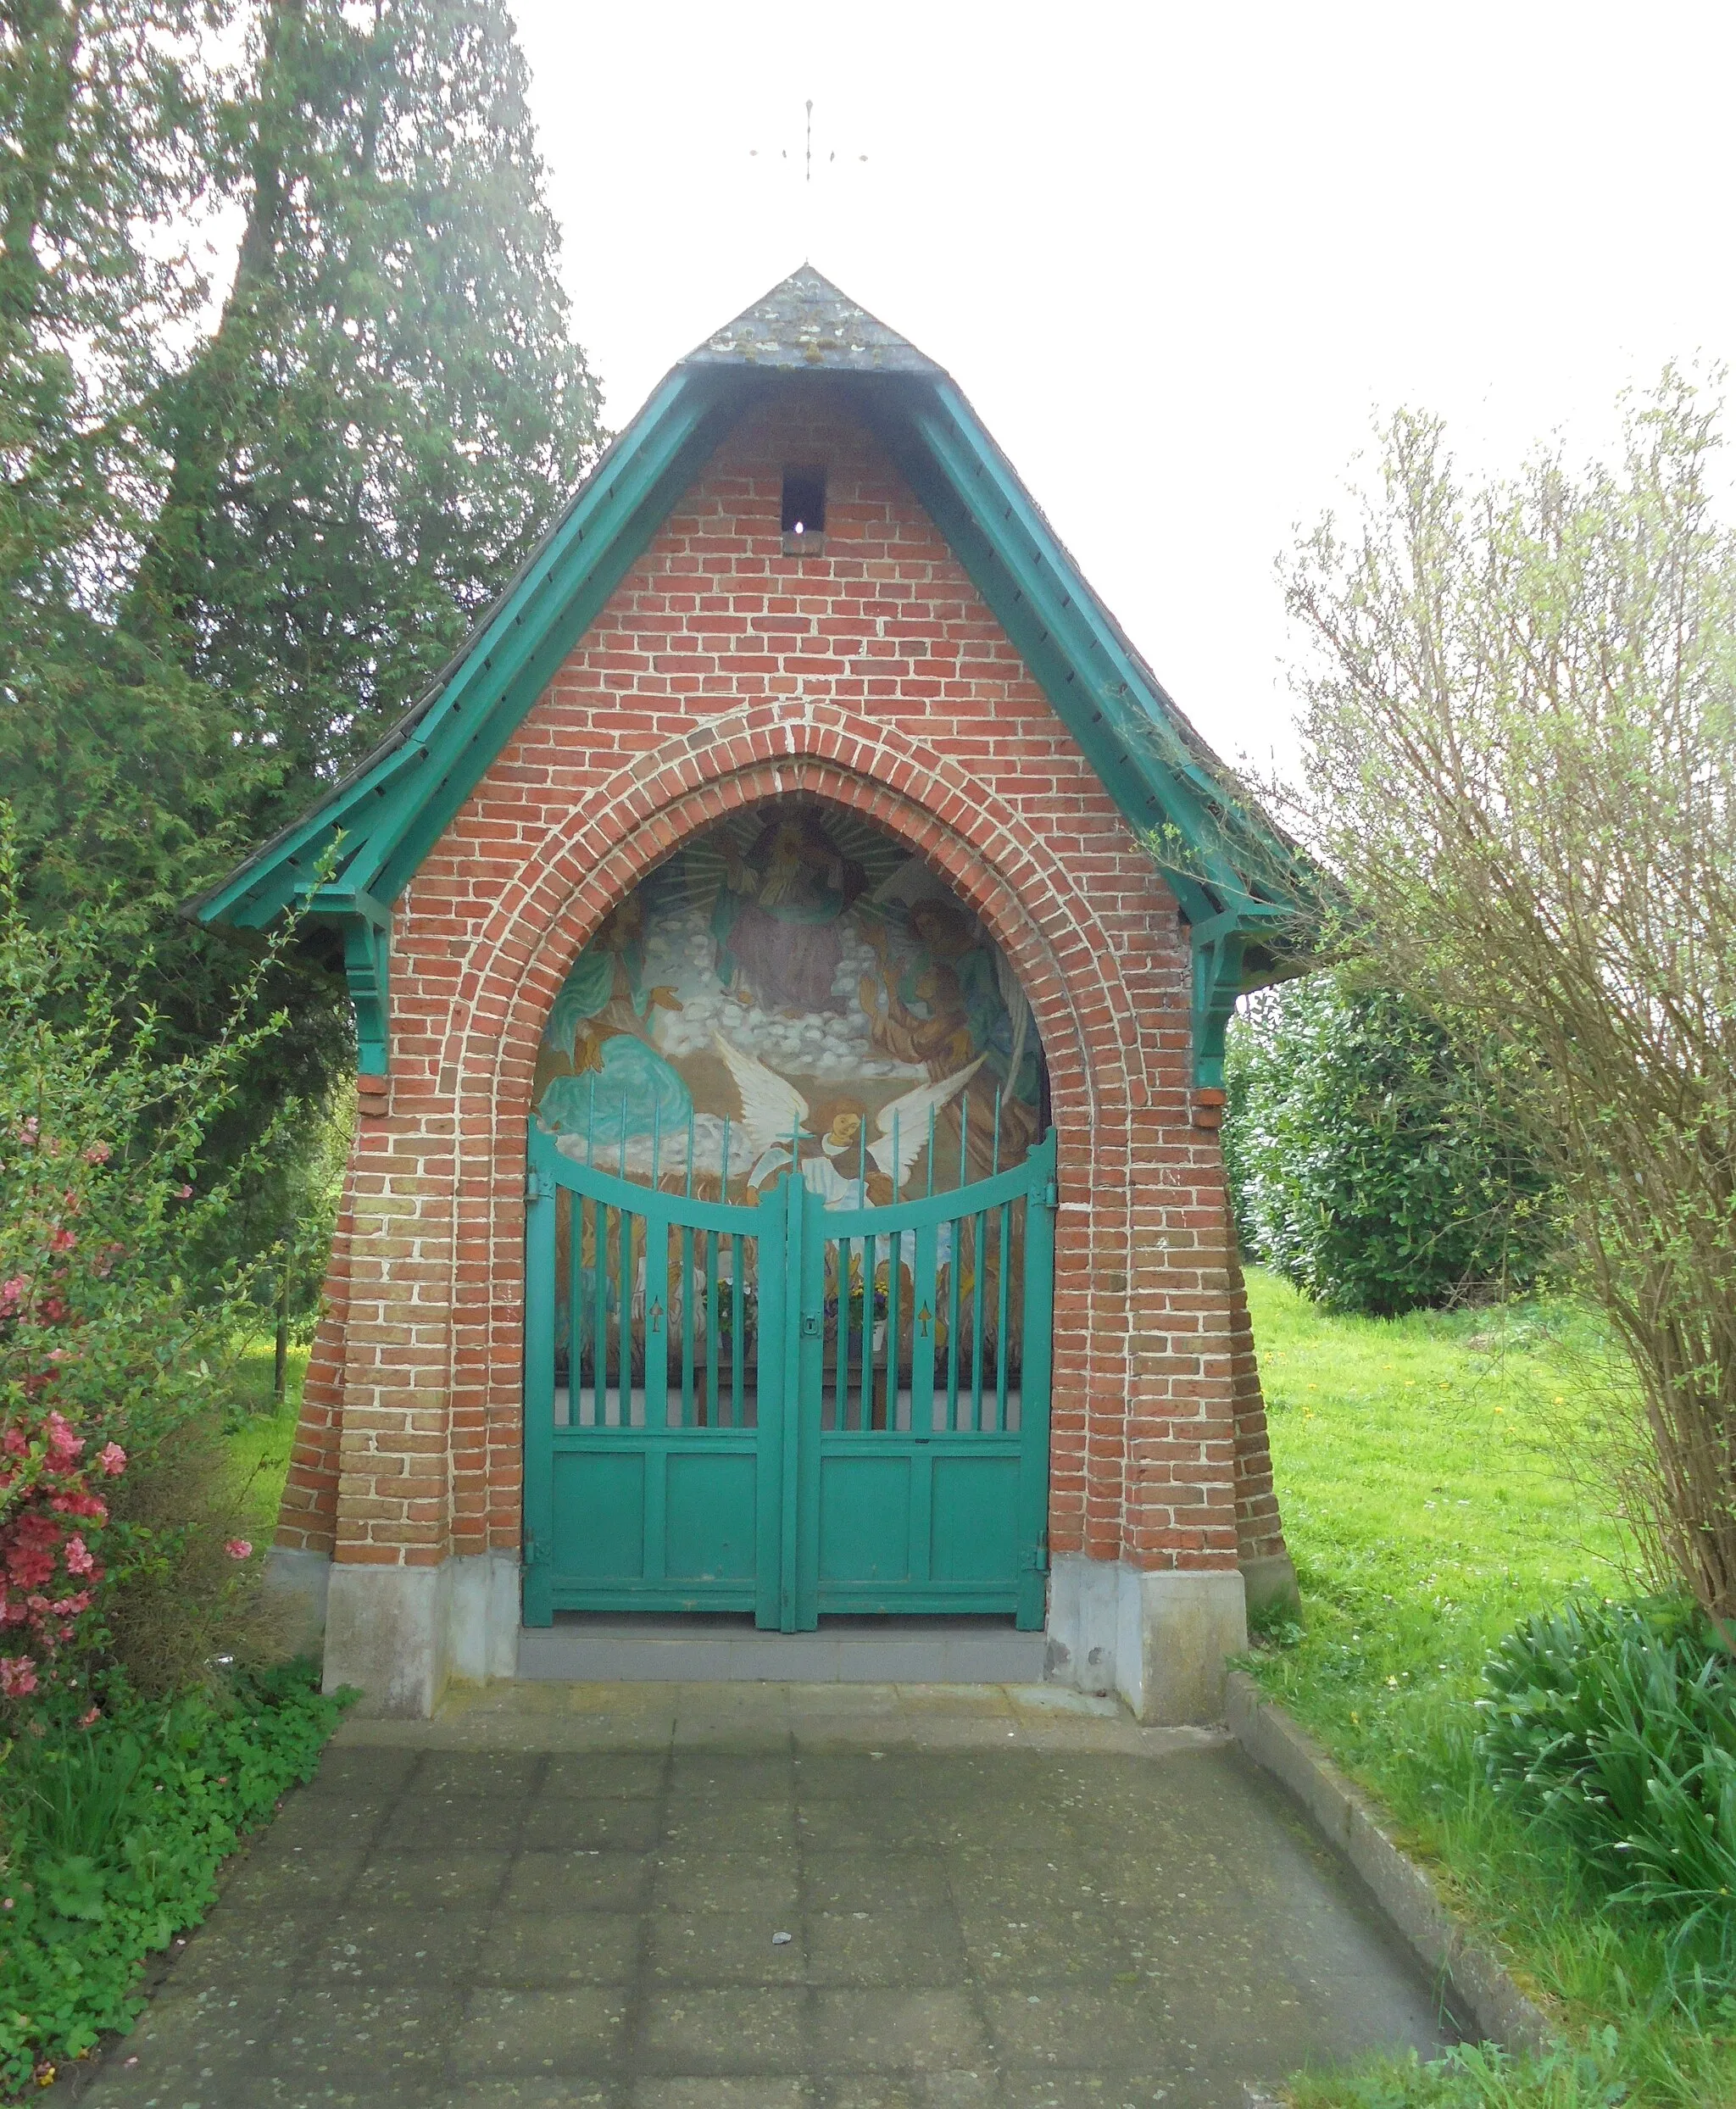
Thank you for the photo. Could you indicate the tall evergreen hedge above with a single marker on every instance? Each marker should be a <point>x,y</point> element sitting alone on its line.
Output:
<point>1372,1161</point>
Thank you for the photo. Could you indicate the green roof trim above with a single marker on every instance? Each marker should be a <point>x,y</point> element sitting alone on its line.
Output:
<point>1240,883</point>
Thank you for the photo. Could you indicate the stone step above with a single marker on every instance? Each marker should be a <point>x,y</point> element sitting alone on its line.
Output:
<point>583,1648</point>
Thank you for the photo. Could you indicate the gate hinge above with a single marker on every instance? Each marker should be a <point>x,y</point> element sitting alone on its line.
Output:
<point>533,1186</point>
<point>1048,1195</point>
<point>1037,1557</point>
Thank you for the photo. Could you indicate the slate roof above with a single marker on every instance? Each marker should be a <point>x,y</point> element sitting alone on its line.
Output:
<point>806,323</point>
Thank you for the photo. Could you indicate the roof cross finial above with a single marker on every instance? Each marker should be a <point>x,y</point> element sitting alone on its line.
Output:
<point>829,157</point>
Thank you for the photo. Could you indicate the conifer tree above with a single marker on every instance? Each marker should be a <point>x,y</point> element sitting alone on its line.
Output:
<point>232,554</point>
<point>391,406</point>
<point>119,766</point>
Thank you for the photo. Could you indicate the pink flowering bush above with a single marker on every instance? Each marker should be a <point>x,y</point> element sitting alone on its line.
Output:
<point>49,1511</point>
<point>116,1339</point>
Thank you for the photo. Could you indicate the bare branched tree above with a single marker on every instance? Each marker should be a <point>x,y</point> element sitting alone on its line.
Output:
<point>1519,740</point>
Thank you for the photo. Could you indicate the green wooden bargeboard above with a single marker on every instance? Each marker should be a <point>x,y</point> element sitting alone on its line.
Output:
<point>789,1410</point>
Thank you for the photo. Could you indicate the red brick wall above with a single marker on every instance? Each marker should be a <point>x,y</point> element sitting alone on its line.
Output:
<point>722,674</point>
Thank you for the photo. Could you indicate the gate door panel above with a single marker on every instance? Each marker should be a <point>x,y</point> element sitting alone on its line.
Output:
<point>925,1425</point>
<point>792,1407</point>
<point>652,1438</point>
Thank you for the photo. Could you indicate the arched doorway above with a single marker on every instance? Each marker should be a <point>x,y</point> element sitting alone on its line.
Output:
<point>789,1277</point>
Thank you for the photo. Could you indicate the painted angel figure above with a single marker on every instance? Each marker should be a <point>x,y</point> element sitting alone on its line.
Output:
<point>776,1121</point>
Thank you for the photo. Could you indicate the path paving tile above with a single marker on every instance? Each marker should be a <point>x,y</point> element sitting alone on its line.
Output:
<point>770,1897</point>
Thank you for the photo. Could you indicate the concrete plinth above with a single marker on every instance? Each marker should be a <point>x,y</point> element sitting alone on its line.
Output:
<point>1270,1583</point>
<point>399,1634</point>
<point>297,1583</point>
<point>1159,1639</point>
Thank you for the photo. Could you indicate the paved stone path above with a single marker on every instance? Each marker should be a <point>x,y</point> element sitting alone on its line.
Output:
<point>758,1897</point>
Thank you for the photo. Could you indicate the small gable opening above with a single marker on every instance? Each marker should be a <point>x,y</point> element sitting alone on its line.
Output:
<point>804,516</point>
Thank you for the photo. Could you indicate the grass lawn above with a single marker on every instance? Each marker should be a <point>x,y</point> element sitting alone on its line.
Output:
<point>1429,1501</point>
<point>260,1443</point>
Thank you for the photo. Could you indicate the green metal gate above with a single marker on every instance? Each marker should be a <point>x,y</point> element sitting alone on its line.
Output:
<point>788,1407</point>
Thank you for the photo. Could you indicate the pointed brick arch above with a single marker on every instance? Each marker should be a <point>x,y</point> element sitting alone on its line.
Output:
<point>585,866</point>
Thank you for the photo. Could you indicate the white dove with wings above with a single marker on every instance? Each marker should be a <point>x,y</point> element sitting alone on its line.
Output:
<point>775,1120</point>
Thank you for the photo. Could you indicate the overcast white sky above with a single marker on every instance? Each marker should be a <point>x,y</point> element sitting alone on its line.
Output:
<point>1177,256</point>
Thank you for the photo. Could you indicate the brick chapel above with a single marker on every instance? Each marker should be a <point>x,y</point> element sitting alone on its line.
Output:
<point>790,947</point>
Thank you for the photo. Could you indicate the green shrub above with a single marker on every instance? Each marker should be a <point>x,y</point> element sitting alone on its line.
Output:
<point>1616,1725</point>
<point>112,1831</point>
<point>1370,1162</point>
<point>114,1340</point>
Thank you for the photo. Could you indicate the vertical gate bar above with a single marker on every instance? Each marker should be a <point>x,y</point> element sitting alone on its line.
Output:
<point>810,1347</point>
<point>688,1403</point>
<point>924,1330</point>
<point>607,1219</point>
<point>1003,1317</point>
<point>795,1403</point>
<point>770,1283</point>
<point>875,1353</point>
<point>599,1311</point>
<point>841,1373</point>
<point>979,1242</point>
<point>894,1321</point>
<point>632,1244</point>
<point>956,1243</point>
<point>1000,1329</point>
<point>539,1408</point>
<point>870,1354</point>
<point>622,1357</point>
<point>712,1330</point>
<point>573,1288</point>
<point>1034,1378</point>
<point>737,1319</point>
<point>656,1318</point>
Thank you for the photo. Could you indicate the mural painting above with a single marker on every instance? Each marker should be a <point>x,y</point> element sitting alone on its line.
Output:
<point>795,990</point>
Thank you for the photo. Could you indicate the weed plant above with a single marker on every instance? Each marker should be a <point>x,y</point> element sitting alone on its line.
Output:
<point>1616,1725</point>
<point>112,1831</point>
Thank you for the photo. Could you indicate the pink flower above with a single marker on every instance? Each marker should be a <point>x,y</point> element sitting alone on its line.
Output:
<point>80,1559</point>
<point>183,1193</point>
<point>29,1129</point>
<point>62,1240</point>
<point>63,1446</point>
<point>239,1548</point>
<point>79,1504</point>
<point>84,1720</point>
<point>18,1675</point>
<point>98,1153</point>
<point>112,1459</point>
<point>12,1295</point>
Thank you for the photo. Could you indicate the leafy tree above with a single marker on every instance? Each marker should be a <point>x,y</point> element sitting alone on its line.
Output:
<point>1520,735</point>
<point>1370,1162</point>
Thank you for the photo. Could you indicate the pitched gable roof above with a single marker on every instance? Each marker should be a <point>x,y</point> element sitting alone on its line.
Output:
<point>1239,882</point>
